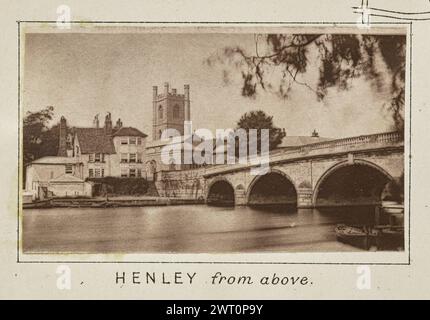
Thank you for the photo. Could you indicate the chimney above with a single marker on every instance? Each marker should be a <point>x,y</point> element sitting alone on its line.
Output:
<point>187,102</point>
<point>118,123</point>
<point>96,121</point>
<point>108,124</point>
<point>166,88</point>
<point>62,147</point>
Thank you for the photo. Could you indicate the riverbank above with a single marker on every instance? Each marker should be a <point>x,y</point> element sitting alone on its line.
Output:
<point>110,202</point>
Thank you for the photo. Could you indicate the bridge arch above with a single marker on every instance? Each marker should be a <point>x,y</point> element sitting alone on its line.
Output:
<point>220,192</point>
<point>272,188</point>
<point>358,183</point>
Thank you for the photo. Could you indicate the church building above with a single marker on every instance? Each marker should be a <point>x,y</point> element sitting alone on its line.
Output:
<point>170,110</point>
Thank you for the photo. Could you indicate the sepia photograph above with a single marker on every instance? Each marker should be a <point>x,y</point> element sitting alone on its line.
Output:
<point>213,157</point>
<point>213,139</point>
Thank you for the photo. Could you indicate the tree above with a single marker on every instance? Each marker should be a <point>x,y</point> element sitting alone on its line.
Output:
<point>340,58</point>
<point>39,140</point>
<point>35,127</point>
<point>260,120</point>
<point>50,141</point>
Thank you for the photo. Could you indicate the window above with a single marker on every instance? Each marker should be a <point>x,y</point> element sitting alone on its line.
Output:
<point>124,157</point>
<point>97,157</point>
<point>52,175</point>
<point>124,141</point>
<point>139,141</point>
<point>91,157</point>
<point>139,173</point>
<point>133,173</point>
<point>103,172</point>
<point>139,157</point>
<point>97,173</point>
<point>103,157</point>
<point>77,150</point>
<point>176,111</point>
<point>132,158</point>
<point>90,173</point>
<point>160,112</point>
<point>124,172</point>
<point>132,140</point>
<point>69,168</point>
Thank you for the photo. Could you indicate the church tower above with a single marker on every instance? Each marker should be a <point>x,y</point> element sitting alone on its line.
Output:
<point>170,110</point>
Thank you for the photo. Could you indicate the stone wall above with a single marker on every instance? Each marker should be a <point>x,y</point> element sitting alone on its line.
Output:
<point>187,184</point>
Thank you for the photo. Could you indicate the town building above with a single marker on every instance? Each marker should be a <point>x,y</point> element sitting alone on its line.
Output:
<point>110,151</point>
<point>56,176</point>
<point>91,152</point>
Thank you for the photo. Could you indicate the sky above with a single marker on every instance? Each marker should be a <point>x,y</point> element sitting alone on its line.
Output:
<point>84,74</point>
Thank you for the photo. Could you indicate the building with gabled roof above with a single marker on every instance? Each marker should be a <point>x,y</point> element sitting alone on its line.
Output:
<point>91,152</point>
<point>56,176</point>
<point>68,185</point>
<point>94,140</point>
<point>110,151</point>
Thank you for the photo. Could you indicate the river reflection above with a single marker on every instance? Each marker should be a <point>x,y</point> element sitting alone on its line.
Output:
<point>193,229</point>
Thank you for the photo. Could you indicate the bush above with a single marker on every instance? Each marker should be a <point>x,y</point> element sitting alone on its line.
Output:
<point>118,186</point>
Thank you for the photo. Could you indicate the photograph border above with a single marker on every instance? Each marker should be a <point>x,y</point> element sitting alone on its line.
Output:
<point>188,23</point>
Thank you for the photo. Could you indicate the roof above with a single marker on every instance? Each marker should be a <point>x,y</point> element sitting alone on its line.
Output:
<point>172,140</point>
<point>94,140</point>
<point>66,178</point>
<point>129,132</point>
<point>55,160</point>
<point>297,141</point>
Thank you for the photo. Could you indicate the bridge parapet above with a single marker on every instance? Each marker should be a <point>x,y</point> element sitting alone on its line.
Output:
<point>386,138</point>
<point>344,145</point>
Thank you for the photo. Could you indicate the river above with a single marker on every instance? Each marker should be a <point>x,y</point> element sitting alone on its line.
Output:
<point>192,228</point>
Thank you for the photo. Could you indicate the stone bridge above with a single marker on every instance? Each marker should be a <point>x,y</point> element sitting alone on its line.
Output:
<point>351,171</point>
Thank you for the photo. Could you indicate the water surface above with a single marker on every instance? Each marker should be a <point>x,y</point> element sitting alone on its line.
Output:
<point>193,229</point>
